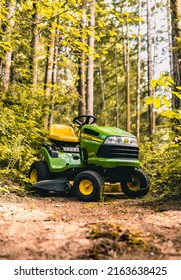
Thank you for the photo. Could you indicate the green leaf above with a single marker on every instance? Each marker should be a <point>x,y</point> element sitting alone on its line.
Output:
<point>112,33</point>
<point>126,13</point>
<point>169,114</point>
<point>177,94</point>
<point>139,19</point>
<point>157,102</point>
<point>153,83</point>
<point>171,135</point>
<point>166,101</point>
<point>1,55</point>
<point>134,36</point>
<point>149,100</point>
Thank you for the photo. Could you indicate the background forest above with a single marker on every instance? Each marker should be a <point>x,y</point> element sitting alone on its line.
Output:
<point>119,60</point>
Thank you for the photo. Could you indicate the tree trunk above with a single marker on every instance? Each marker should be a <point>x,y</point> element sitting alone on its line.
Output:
<point>169,16</point>
<point>54,78</point>
<point>104,112</point>
<point>35,45</point>
<point>128,109</point>
<point>49,75</point>
<point>82,69</point>
<point>6,66</point>
<point>117,91</point>
<point>138,76</point>
<point>90,69</point>
<point>150,69</point>
<point>1,27</point>
<point>126,61</point>
<point>49,63</point>
<point>176,33</point>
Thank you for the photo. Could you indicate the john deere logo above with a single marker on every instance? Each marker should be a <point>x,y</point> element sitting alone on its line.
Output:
<point>126,141</point>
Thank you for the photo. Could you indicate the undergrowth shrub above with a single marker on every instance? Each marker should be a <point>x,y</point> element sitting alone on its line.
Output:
<point>162,162</point>
<point>22,130</point>
<point>20,137</point>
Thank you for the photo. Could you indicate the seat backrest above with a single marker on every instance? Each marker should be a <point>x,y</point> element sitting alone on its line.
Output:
<point>58,130</point>
<point>62,133</point>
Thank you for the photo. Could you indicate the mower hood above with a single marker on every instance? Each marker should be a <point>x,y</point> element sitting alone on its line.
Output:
<point>113,131</point>
<point>102,132</point>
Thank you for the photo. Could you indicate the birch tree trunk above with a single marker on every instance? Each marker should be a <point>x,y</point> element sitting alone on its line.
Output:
<point>90,69</point>
<point>6,66</point>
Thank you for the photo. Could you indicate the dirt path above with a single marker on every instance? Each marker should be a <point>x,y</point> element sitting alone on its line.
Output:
<point>64,228</point>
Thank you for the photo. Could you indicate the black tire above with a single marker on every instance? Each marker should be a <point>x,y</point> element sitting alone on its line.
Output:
<point>139,186</point>
<point>88,186</point>
<point>39,171</point>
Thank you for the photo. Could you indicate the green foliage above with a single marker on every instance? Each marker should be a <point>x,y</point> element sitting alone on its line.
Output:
<point>162,162</point>
<point>20,133</point>
<point>22,129</point>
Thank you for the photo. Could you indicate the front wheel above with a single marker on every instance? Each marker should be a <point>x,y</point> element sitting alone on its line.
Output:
<point>138,186</point>
<point>88,186</point>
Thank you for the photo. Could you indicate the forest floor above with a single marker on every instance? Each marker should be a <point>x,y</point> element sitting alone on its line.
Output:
<point>63,228</point>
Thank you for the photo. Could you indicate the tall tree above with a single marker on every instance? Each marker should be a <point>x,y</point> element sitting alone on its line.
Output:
<point>54,76</point>
<point>50,61</point>
<point>82,65</point>
<point>48,84</point>
<point>117,89</point>
<point>127,69</point>
<point>6,66</point>
<point>138,96</point>
<point>150,68</point>
<point>35,46</point>
<point>90,67</point>
<point>176,35</point>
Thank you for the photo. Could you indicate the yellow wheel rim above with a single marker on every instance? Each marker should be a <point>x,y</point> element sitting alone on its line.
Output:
<point>86,187</point>
<point>33,176</point>
<point>135,185</point>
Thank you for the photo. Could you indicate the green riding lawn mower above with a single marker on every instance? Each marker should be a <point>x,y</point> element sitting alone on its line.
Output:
<point>86,163</point>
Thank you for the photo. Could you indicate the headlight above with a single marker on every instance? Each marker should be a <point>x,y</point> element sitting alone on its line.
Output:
<point>121,140</point>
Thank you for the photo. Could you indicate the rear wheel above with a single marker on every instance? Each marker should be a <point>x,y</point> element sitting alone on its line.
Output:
<point>138,187</point>
<point>88,186</point>
<point>38,172</point>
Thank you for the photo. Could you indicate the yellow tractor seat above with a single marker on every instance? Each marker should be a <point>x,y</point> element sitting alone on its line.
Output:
<point>62,133</point>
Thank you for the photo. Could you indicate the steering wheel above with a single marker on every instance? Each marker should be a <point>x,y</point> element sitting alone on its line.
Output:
<point>89,119</point>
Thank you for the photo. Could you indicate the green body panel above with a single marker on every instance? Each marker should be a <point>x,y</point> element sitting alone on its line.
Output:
<point>64,161</point>
<point>112,163</point>
<point>91,146</point>
<point>92,143</point>
<point>105,131</point>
